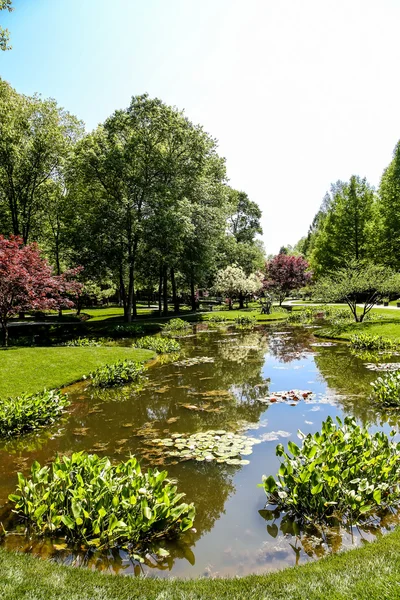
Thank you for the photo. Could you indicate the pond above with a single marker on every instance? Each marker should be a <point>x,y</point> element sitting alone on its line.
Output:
<point>223,381</point>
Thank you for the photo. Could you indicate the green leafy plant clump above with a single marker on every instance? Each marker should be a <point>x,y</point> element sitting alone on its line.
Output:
<point>30,411</point>
<point>342,472</point>
<point>158,344</point>
<point>365,341</point>
<point>177,325</point>
<point>387,388</point>
<point>127,330</point>
<point>97,504</point>
<point>246,322</point>
<point>120,373</point>
<point>83,342</point>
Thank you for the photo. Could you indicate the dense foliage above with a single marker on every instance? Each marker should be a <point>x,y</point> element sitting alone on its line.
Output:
<point>90,501</point>
<point>387,388</point>
<point>357,283</point>
<point>141,202</point>
<point>158,344</point>
<point>342,471</point>
<point>30,411</point>
<point>27,282</point>
<point>365,341</point>
<point>119,373</point>
<point>285,273</point>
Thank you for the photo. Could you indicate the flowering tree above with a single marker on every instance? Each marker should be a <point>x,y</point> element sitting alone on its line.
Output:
<point>285,274</point>
<point>27,282</point>
<point>233,282</point>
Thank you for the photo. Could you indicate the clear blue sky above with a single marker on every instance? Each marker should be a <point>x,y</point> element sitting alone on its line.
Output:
<point>299,93</point>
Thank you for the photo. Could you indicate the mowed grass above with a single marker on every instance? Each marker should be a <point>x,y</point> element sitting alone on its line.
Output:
<point>387,329</point>
<point>367,573</point>
<point>33,369</point>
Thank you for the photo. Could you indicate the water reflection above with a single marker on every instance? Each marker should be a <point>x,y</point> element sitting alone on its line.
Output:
<point>231,536</point>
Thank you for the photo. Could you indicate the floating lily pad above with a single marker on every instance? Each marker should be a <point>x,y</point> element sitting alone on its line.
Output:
<point>214,445</point>
<point>383,366</point>
<point>289,396</point>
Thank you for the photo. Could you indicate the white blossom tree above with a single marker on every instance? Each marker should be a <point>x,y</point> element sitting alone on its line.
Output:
<point>233,282</point>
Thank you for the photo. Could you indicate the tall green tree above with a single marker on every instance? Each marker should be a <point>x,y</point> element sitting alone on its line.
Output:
<point>4,33</point>
<point>345,230</point>
<point>35,139</point>
<point>143,160</point>
<point>389,212</point>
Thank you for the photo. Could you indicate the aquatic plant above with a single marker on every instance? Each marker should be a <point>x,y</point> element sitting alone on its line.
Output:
<point>221,446</point>
<point>287,396</point>
<point>387,388</point>
<point>246,322</point>
<point>83,342</point>
<point>94,503</point>
<point>30,411</point>
<point>217,318</point>
<point>365,341</point>
<point>176,327</point>
<point>127,329</point>
<point>342,471</point>
<point>158,344</point>
<point>119,373</point>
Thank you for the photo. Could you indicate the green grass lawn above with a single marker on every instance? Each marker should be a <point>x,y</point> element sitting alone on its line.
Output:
<point>32,369</point>
<point>367,573</point>
<point>388,329</point>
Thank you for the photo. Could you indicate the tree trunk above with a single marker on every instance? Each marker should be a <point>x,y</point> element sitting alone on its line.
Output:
<point>174,294</point>
<point>192,294</point>
<point>165,291</point>
<point>5,334</point>
<point>241,300</point>
<point>131,293</point>
<point>230,303</point>
<point>160,293</point>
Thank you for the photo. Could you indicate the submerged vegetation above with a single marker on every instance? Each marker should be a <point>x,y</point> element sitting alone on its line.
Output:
<point>30,411</point>
<point>342,472</point>
<point>94,503</point>
<point>119,373</point>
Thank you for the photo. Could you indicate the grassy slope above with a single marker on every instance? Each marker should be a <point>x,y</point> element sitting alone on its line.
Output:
<point>389,329</point>
<point>32,369</point>
<point>368,573</point>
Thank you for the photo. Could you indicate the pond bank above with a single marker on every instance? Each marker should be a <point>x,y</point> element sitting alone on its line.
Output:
<point>367,573</point>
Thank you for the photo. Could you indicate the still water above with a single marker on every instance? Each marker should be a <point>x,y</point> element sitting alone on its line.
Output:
<point>233,534</point>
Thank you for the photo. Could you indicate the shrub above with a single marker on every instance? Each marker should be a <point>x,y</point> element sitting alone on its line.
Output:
<point>119,373</point>
<point>158,344</point>
<point>30,411</point>
<point>387,388</point>
<point>83,342</point>
<point>364,341</point>
<point>88,500</point>
<point>343,471</point>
